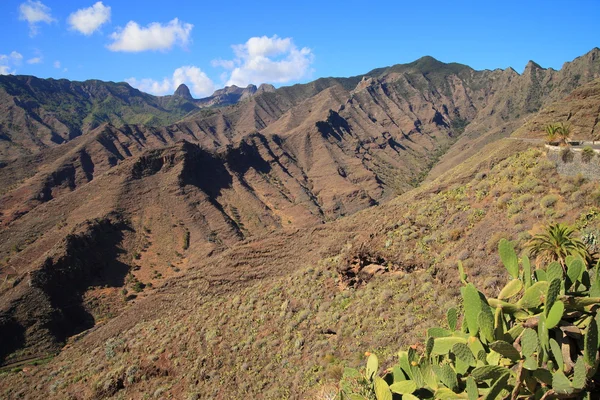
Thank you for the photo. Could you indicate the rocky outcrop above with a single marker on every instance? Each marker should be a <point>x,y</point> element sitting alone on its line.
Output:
<point>183,91</point>
<point>265,88</point>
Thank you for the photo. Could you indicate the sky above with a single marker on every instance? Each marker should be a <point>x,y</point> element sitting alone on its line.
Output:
<point>157,45</point>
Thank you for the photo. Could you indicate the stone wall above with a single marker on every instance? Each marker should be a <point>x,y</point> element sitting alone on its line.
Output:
<point>572,165</point>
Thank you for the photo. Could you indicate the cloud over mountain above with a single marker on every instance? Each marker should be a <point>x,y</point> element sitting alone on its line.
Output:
<point>267,59</point>
<point>155,36</point>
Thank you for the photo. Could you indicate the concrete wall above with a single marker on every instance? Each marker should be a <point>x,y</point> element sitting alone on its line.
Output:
<point>574,165</point>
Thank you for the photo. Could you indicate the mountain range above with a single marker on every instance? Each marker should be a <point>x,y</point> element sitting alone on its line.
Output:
<point>123,213</point>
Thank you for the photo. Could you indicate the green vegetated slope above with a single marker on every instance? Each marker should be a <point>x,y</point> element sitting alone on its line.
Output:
<point>291,332</point>
<point>37,113</point>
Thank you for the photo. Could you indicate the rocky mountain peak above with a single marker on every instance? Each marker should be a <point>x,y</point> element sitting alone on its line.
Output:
<point>183,91</point>
<point>266,87</point>
<point>533,65</point>
<point>364,83</point>
<point>235,90</point>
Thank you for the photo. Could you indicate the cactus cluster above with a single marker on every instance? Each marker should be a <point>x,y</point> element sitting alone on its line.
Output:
<point>538,339</point>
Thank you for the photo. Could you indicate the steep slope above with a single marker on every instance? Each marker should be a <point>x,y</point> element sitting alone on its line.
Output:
<point>175,206</point>
<point>193,213</point>
<point>514,97</point>
<point>373,148</point>
<point>580,110</point>
<point>39,113</point>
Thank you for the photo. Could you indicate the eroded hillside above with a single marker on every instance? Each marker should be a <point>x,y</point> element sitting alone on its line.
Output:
<point>296,318</point>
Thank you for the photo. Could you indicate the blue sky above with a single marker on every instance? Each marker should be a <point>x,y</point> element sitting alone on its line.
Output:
<point>155,45</point>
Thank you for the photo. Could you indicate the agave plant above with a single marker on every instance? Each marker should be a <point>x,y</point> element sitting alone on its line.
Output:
<point>556,243</point>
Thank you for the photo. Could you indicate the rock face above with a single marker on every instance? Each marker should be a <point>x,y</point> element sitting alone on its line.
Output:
<point>265,88</point>
<point>183,91</point>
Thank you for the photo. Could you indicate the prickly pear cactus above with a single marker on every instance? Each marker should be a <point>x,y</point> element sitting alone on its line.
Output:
<point>538,340</point>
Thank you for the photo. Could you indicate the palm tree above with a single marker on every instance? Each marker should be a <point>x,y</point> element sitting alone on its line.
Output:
<point>551,130</point>
<point>556,243</point>
<point>564,131</point>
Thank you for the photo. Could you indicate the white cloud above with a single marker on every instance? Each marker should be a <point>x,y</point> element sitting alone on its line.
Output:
<point>134,38</point>
<point>9,61</point>
<point>263,47</point>
<point>199,83</point>
<point>56,64</point>
<point>88,20</point>
<point>34,12</point>
<point>35,60</point>
<point>267,59</point>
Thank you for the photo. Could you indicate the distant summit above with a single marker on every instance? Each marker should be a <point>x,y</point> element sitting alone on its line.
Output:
<point>183,91</point>
<point>236,91</point>
<point>225,96</point>
<point>228,95</point>
<point>265,87</point>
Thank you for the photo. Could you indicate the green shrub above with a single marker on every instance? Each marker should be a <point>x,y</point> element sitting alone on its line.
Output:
<point>528,185</point>
<point>524,236</point>
<point>549,200</point>
<point>503,201</point>
<point>138,286</point>
<point>578,179</point>
<point>513,346</point>
<point>543,169</point>
<point>514,209</point>
<point>587,153</point>
<point>567,188</point>
<point>524,199</point>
